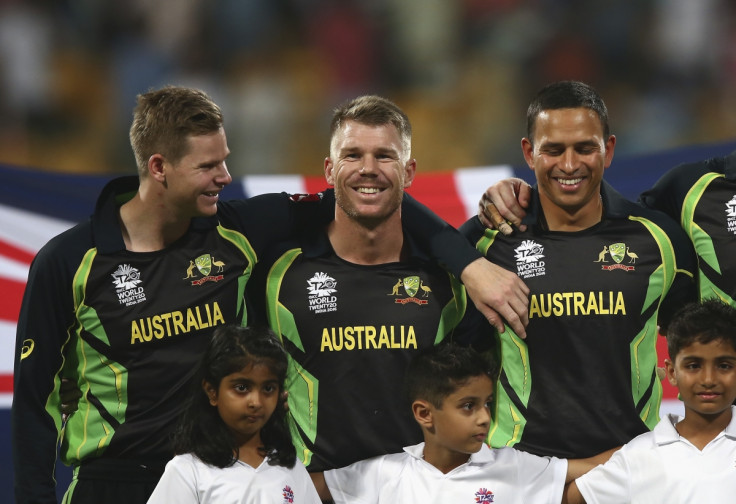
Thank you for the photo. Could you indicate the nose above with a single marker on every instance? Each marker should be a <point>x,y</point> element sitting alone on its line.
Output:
<point>708,376</point>
<point>484,417</point>
<point>369,165</point>
<point>569,162</point>
<point>254,400</point>
<point>223,176</point>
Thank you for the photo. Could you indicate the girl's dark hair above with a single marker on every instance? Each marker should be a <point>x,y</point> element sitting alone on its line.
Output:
<point>202,432</point>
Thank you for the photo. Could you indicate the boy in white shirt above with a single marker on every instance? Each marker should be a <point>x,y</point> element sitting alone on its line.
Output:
<point>690,459</point>
<point>450,389</point>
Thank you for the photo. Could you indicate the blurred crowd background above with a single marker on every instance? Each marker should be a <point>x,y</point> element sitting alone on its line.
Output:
<point>464,71</point>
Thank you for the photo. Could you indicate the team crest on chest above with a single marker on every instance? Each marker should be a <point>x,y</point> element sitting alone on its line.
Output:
<point>127,280</point>
<point>204,268</point>
<point>529,259</point>
<point>620,255</point>
<point>731,215</point>
<point>414,289</point>
<point>321,293</point>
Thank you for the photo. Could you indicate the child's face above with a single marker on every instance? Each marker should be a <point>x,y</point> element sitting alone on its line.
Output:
<point>246,399</point>
<point>462,423</point>
<point>705,375</point>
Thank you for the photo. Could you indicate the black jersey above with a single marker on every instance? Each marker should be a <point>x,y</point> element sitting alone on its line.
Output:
<point>350,331</point>
<point>584,380</point>
<point>702,198</point>
<point>128,328</point>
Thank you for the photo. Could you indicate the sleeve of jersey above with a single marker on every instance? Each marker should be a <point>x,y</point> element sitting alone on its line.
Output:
<point>668,193</point>
<point>440,240</point>
<point>268,219</point>
<point>539,479</point>
<point>358,483</point>
<point>46,314</point>
<point>684,287</point>
<point>607,483</point>
<point>178,484</point>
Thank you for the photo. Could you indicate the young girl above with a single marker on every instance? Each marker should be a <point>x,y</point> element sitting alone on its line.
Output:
<point>233,444</point>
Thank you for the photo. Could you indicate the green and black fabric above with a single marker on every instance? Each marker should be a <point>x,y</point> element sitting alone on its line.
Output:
<point>584,379</point>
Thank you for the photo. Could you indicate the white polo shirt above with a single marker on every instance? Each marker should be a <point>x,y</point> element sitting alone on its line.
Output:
<point>661,466</point>
<point>188,480</point>
<point>503,475</point>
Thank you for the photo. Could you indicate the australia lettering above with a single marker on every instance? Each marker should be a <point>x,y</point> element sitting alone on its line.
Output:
<point>336,339</point>
<point>576,304</point>
<point>173,323</point>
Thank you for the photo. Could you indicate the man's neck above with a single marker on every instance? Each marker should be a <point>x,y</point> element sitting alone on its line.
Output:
<point>561,219</point>
<point>362,243</point>
<point>146,226</point>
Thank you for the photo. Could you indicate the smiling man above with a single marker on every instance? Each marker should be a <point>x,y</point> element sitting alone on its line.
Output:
<point>354,300</point>
<point>603,274</point>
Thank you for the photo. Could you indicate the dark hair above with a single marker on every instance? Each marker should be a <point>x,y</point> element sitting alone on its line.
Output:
<point>562,95</point>
<point>164,119</point>
<point>702,322</point>
<point>373,110</point>
<point>437,372</point>
<point>202,432</point>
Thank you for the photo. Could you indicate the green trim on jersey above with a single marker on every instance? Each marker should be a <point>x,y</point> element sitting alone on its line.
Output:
<point>91,366</point>
<point>304,386</point>
<point>701,240</point>
<point>453,311</point>
<point>279,318</point>
<point>515,358</point>
<point>304,397</point>
<point>242,243</point>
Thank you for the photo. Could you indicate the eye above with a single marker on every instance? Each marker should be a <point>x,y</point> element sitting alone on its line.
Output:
<point>241,387</point>
<point>468,406</point>
<point>270,389</point>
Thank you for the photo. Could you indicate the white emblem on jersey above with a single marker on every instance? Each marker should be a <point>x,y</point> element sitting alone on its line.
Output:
<point>731,215</point>
<point>321,289</point>
<point>529,261</point>
<point>126,280</point>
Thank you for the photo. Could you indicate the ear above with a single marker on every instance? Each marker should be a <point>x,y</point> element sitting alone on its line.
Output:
<point>409,171</point>
<point>670,370</point>
<point>329,171</point>
<point>210,391</point>
<point>156,168</point>
<point>610,145</point>
<point>528,150</point>
<point>423,413</point>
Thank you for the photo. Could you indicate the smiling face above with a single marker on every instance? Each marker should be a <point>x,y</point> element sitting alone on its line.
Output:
<point>193,183</point>
<point>705,375</point>
<point>569,154</point>
<point>369,169</point>
<point>246,400</point>
<point>462,423</point>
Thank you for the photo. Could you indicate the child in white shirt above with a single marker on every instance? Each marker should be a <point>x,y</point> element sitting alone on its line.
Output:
<point>233,442</point>
<point>450,389</point>
<point>690,459</point>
